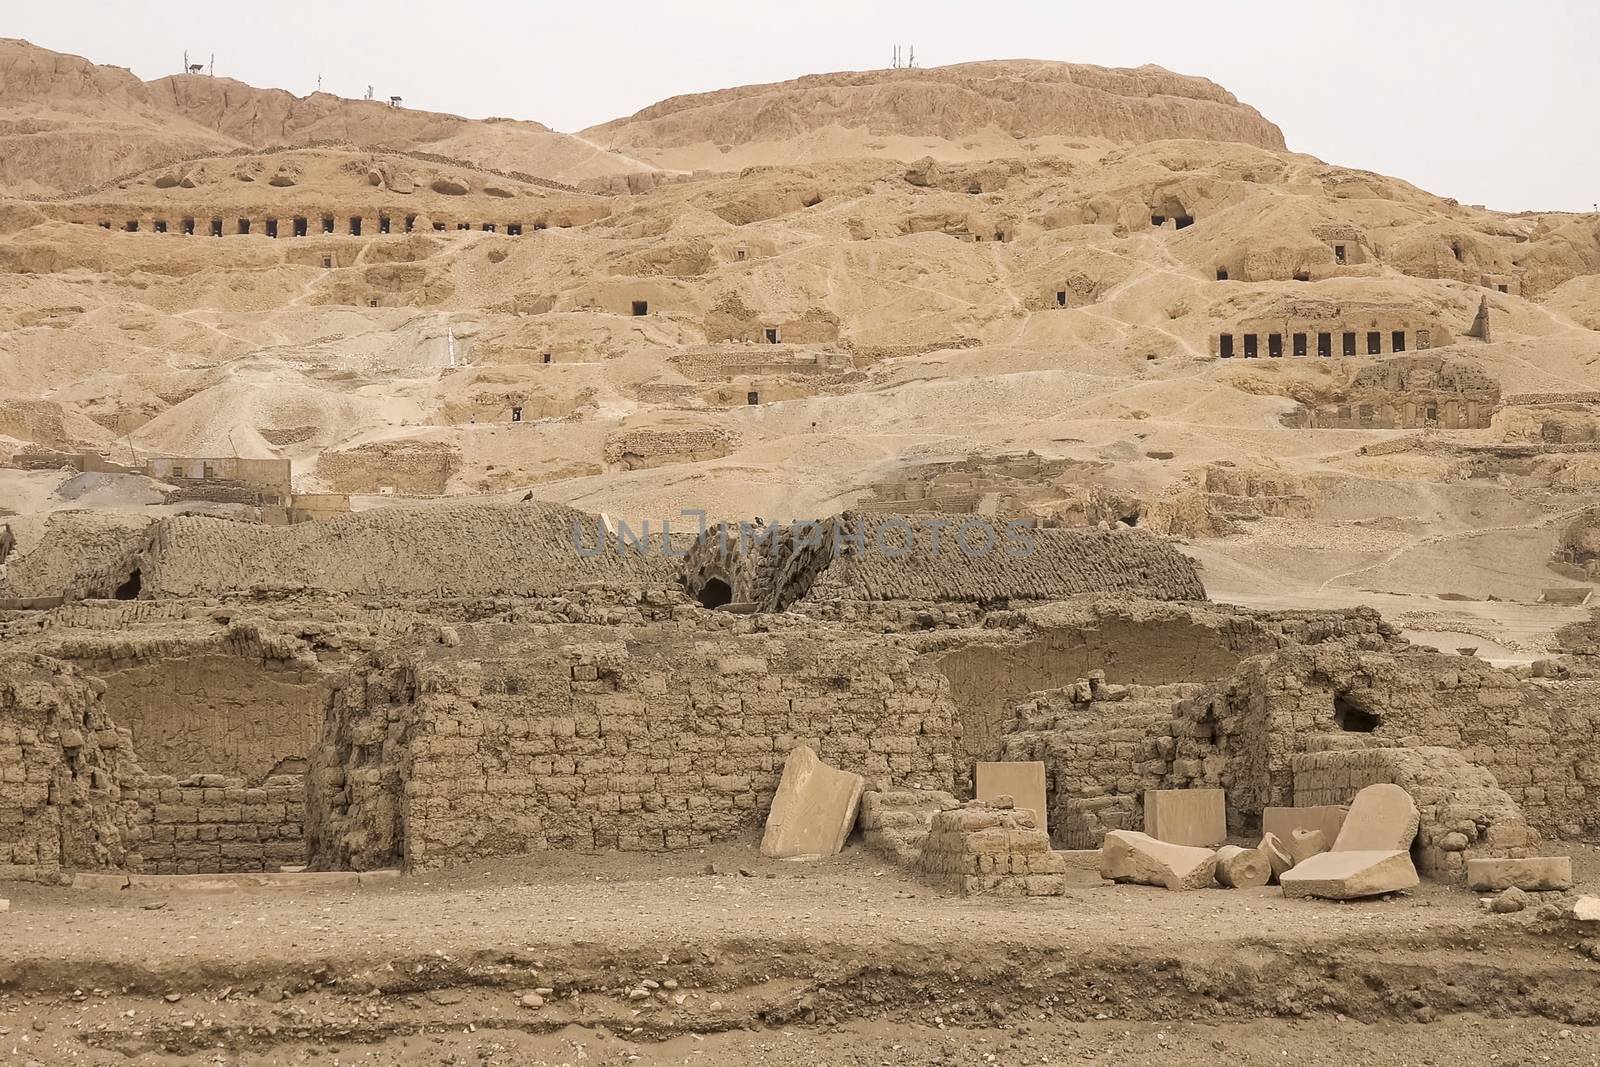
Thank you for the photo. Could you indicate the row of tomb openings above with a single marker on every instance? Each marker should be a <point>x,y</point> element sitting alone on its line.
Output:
<point>301,226</point>
<point>1298,343</point>
<point>751,398</point>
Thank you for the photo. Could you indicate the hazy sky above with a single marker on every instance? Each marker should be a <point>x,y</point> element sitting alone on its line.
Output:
<point>1487,102</point>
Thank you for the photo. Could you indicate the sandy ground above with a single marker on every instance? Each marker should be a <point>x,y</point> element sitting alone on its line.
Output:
<point>770,962</point>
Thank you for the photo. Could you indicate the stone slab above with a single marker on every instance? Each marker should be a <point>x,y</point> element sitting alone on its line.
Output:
<point>813,810</point>
<point>1350,875</point>
<point>1022,781</point>
<point>1194,817</point>
<point>1129,856</point>
<point>1536,874</point>
<point>1329,818</point>
<point>1081,859</point>
<point>1382,818</point>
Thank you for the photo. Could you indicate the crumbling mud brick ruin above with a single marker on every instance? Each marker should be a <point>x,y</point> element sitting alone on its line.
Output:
<point>798,558</point>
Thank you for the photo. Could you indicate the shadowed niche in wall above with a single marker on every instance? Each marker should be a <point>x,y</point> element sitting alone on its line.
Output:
<point>715,593</point>
<point>1352,717</point>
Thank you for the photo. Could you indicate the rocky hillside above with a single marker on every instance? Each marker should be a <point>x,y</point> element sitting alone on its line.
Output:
<point>67,125</point>
<point>962,105</point>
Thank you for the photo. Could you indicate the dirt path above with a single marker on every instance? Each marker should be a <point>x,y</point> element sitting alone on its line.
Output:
<point>828,961</point>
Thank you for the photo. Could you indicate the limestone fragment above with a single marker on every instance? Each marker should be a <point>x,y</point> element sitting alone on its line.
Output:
<point>1350,875</point>
<point>1129,856</point>
<point>1278,857</point>
<point>1304,844</point>
<point>1536,874</point>
<point>813,810</point>
<point>1329,818</point>
<point>1022,781</point>
<point>1242,868</point>
<point>1186,816</point>
<point>1382,818</point>
<point>1512,900</point>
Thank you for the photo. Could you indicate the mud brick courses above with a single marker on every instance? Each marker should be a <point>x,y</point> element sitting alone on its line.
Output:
<point>1536,737</point>
<point>637,738</point>
<point>210,823</point>
<point>978,848</point>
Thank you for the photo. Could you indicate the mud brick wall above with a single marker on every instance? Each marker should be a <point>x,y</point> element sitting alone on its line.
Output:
<point>1536,737</point>
<point>630,737</point>
<point>1464,814</point>
<point>979,848</point>
<point>1102,747</point>
<point>62,762</point>
<point>211,823</point>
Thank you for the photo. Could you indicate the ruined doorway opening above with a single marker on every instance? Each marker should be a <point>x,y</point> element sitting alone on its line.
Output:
<point>1302,276</point>
<point>513,229</point>
<point>161,225</point>
<point>772,335</point>
<point>1349,344</point>
<point>302,226</point>
<point>1431,413</point>
<point>1351,717</point>
<point>1424,339</point>
<point>355,225</point>
<point>383,223</point>
<point>1275,345</point>
<point>132,226</point>
<point>739,253</point>
<point>244,227</point>
<point>216,227</point>
<point>1251,349</point>
<point>438,227</point>
<point>188,227</point>
<point>516,414</point>
<point>488,227</point>
<point>547,357</point>
<point>715,594</point>
<point>1504,288</point>
<point>1183,221</point>
<point>272,227</point>
<point>1455,250</point>
<point>1397,341</point>
<point>327,261</point>
<point>1325,344</point>
<point>129,590</point>
<point>1061,298</point>
<point>641,307</point>
<point>411,222</point>
<point>1338,254</point>
<point>752,398</point>
<point>1158,220</point>
<point>463,225</point>
<point>105,224</point>
<point>1225,346</point>
<point>1374,343</point>
<point>1299,343</point>
<point>1222,274</point>
<point>327,224</point>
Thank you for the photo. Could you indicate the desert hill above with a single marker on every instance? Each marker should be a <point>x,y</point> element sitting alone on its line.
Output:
<point>963,112</point>
<point>67,125</point>
<point>1333,386</point>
